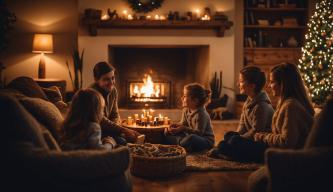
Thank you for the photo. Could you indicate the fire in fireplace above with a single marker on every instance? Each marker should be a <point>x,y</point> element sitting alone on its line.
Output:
<point>148,93</point>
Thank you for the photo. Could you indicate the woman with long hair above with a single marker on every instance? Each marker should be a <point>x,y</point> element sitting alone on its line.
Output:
<point>293,117</point>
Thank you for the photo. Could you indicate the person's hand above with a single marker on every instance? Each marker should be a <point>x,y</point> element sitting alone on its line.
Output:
<point>178,129</point>
<point>259,137</point>
<point>109,140</point>
<point>131,135</point>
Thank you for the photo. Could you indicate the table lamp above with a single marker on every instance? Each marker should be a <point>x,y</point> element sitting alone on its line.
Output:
<point>42,43</point>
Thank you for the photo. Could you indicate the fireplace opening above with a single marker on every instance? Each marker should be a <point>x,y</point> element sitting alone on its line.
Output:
<point>155,94</point>
<point>154,75</point>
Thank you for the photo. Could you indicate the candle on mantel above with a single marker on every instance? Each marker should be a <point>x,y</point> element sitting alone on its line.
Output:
<point>205,18</point>
<point>157,17</point>
<point>162,17</point>
<point>148,17</point>
<point>130,17</point>
<point>197,13</point>
<point>125,14</point>
<point>105,17</point>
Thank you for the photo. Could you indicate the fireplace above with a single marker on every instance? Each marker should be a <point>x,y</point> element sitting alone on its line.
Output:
<point>154,75</point>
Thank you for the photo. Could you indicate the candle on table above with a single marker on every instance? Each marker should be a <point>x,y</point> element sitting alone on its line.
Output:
<point>136,116</point>
<point>129,121</point>
<point>157,17</point>
<point>148,17</point>
<point>162,17</point>
<point>165,121</point>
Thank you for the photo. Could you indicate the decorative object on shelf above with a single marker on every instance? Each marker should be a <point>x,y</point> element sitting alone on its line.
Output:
<point>176,15</point>
<point>277,23</point>
<point>207,14</point>
<point>290,21</point>
<point>263,22</point>
<point>292,42</point>
<point>189,16</point>
<point>113,14</point>
<point>78,66</point>
<point>145,6</point>
<point>93,13</point>
<point>171,16</point>
<point>42,43</point>
<point>316,63</point>
<point>219,15</point>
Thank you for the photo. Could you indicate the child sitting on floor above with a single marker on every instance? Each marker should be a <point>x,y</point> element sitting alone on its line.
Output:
<point>256,117</point>
<point>194,132</point>
<point>81,129</point>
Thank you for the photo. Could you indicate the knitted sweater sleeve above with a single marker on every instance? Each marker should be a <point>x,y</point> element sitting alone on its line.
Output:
<point>288,134</point>
<point>94,140</point>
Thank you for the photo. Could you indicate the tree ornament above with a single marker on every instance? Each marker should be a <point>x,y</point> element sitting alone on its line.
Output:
<point>320,66</point>
<point>145,6</point>
<point>323,34</point>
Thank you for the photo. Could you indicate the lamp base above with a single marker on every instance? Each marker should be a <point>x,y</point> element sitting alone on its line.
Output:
<point>41,67</point>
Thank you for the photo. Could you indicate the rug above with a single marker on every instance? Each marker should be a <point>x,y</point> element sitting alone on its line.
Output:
<point>201,162</point>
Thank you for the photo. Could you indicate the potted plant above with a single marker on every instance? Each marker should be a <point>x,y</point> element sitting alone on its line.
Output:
<point>76,77</point>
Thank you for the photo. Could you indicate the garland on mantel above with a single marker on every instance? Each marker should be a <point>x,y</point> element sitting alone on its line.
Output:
<point>145,6</point>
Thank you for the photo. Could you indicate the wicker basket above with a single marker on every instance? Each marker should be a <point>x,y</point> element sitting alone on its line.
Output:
<point>151,167</point>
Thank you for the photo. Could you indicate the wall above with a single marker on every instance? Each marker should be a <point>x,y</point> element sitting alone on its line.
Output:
<point>221,50</point>
<point>39,16</point>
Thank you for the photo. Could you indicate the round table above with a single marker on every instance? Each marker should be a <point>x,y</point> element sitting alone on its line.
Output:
<point>154,134</point>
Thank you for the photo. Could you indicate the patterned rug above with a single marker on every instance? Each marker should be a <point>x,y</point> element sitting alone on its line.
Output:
<point>200,162</point>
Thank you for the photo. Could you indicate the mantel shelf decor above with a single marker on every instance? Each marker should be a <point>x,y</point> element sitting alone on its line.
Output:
<point>219,25</point>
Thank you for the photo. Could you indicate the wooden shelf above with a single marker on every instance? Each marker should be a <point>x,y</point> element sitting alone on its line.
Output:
<point>273,27</point>
<point>219,25</point>
<point>276,9</point>
<point>272,48</point>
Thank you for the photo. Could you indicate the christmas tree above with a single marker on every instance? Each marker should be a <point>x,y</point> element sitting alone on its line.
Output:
<point>316,63</point>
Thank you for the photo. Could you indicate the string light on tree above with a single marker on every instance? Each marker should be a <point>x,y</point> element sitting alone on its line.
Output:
<point>316,63</point>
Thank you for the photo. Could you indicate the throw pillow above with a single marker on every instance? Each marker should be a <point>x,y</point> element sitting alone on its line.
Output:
<point>46,113</point>
<point>28,87</point>
<point>17,124</point>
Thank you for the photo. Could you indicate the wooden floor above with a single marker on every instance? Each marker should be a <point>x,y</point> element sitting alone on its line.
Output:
<point>222,181</point>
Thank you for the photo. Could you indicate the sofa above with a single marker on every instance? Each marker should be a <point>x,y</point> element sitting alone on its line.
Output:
<point>308,169</point>
<point>33,160</point>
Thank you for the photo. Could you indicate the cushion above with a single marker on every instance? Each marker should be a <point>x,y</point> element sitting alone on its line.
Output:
<point>49,139</point>
<point>46,113</point>
<point>28,87</point>
<point>17,124</point>
<point>300,170</point>
<point>53,94</point>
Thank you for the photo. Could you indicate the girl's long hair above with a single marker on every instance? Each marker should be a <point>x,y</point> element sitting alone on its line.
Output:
<point>87,106</point>
<point>289,78</point>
